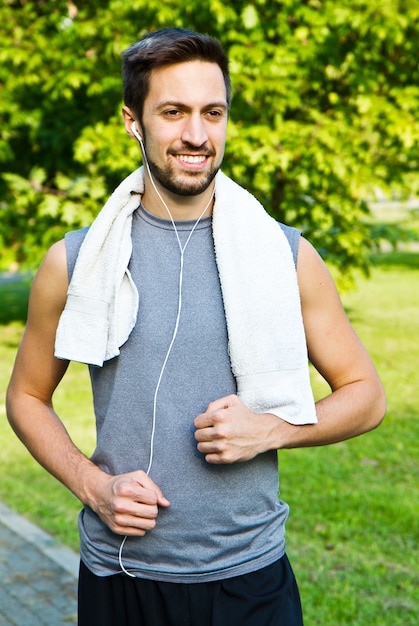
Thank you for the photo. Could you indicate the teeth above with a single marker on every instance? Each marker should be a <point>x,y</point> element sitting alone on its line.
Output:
<point>186,158</point>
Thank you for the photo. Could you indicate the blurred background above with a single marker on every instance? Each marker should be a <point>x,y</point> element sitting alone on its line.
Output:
<point>324,130</point>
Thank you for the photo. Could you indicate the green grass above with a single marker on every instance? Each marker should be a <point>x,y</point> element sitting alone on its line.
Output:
<point>25,486</point>
<point>353,529</point>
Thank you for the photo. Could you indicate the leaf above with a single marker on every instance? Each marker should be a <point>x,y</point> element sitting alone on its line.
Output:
<point>250,17</point>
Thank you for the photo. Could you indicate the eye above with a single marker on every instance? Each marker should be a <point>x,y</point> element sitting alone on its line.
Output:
<point>215,114</point>
<point>172,113</point>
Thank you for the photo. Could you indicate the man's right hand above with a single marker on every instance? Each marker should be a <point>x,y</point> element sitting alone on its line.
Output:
<point>128,503</point>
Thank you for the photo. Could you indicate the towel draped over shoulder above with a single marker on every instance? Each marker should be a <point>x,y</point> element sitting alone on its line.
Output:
<point>267,345</point>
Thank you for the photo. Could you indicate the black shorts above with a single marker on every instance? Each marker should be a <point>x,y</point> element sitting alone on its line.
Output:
<point>267,597</point>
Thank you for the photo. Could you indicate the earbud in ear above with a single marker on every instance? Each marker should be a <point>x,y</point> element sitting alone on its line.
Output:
<point>135,133</point>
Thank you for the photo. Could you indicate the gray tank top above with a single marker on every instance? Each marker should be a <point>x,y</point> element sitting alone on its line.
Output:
<point>224,520</point>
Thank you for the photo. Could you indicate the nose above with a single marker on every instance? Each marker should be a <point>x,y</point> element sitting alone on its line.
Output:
<point>194,131</point>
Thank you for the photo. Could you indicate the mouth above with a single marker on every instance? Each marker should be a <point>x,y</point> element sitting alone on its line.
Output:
<point>191,159</point>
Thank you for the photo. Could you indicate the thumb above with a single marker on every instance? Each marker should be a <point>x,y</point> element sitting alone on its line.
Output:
<point>145,481</point>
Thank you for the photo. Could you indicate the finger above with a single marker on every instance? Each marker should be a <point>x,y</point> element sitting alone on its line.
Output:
<point>210,418</point>
<point>221,403</point>
<point>152,496</point>
<point>218,459</point>
<point>131,525</point>
<point>204,434</point>
<point>126,507</point>
<point>145,481</point>
<point>212,447</point>
<point>206,419</point>
<point>129,490</point>
<point>127,517</point>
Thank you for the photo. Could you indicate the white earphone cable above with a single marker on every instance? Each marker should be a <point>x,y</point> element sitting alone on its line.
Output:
<point>176,327</point>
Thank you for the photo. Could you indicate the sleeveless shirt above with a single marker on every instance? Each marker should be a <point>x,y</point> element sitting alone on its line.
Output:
<point>224,520</point>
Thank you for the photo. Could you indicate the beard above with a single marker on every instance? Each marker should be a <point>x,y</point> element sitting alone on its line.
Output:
<point>185,184</point>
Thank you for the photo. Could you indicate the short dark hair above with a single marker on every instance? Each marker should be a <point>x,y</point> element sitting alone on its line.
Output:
<point>163,48</point>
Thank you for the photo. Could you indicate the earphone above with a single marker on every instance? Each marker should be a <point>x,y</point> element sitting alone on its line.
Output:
<point>136,134</point>
<point>182,249</point>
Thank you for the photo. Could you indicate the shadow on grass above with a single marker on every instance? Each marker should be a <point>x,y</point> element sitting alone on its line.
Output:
<point>14,295</point>
<point>397,258</point>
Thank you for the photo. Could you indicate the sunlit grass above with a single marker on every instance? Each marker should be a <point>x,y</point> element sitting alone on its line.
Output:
<point>353,530</point>
<point>25,486</point>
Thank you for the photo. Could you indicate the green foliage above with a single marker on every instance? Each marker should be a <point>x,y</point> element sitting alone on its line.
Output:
<point>14,297</point>
<point>325,109</point>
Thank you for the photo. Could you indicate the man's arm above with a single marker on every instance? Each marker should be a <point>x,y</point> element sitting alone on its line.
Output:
<point>128,504</point>
<point>228,431</point>
<point>357,403</point>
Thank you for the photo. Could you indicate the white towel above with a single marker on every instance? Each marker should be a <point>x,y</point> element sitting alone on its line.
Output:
<point>258,278</point>
<point>102,300</point>
<point>267,344</point>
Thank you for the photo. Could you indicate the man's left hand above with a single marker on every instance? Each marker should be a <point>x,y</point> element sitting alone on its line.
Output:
<point>229,432</point>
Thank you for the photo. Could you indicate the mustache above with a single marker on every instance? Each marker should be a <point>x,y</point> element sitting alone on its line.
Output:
<point>189,147</point>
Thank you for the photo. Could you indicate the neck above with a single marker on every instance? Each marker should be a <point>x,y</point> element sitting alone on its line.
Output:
<point>164,203</point>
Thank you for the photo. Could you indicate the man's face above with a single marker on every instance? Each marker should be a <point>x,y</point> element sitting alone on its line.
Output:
<point>184,125</point>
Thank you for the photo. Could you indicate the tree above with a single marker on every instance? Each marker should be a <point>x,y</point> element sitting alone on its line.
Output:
<point>325,108</point>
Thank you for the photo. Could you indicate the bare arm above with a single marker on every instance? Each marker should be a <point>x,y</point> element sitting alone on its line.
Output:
<point>357,400</point>
<point>128,503</point>
<point>228,431</point>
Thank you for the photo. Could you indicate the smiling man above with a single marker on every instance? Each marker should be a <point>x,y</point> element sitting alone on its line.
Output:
<point>196,313</point>
<point>183,124</point>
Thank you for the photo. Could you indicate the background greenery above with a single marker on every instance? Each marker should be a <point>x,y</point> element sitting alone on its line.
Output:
<point>325,110</point>
<point>325,114</point>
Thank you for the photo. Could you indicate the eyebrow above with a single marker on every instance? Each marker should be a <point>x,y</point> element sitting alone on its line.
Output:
<point>182,105</point>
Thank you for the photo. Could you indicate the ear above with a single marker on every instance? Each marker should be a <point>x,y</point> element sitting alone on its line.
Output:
<point>128,118</point>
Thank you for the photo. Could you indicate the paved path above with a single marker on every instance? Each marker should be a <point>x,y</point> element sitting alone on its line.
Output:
<point>38,576</point>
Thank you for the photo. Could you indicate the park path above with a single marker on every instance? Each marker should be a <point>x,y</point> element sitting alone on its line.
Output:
<point>38,576</point>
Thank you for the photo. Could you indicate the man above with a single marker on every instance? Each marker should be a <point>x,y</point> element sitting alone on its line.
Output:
<point>184,302</point>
